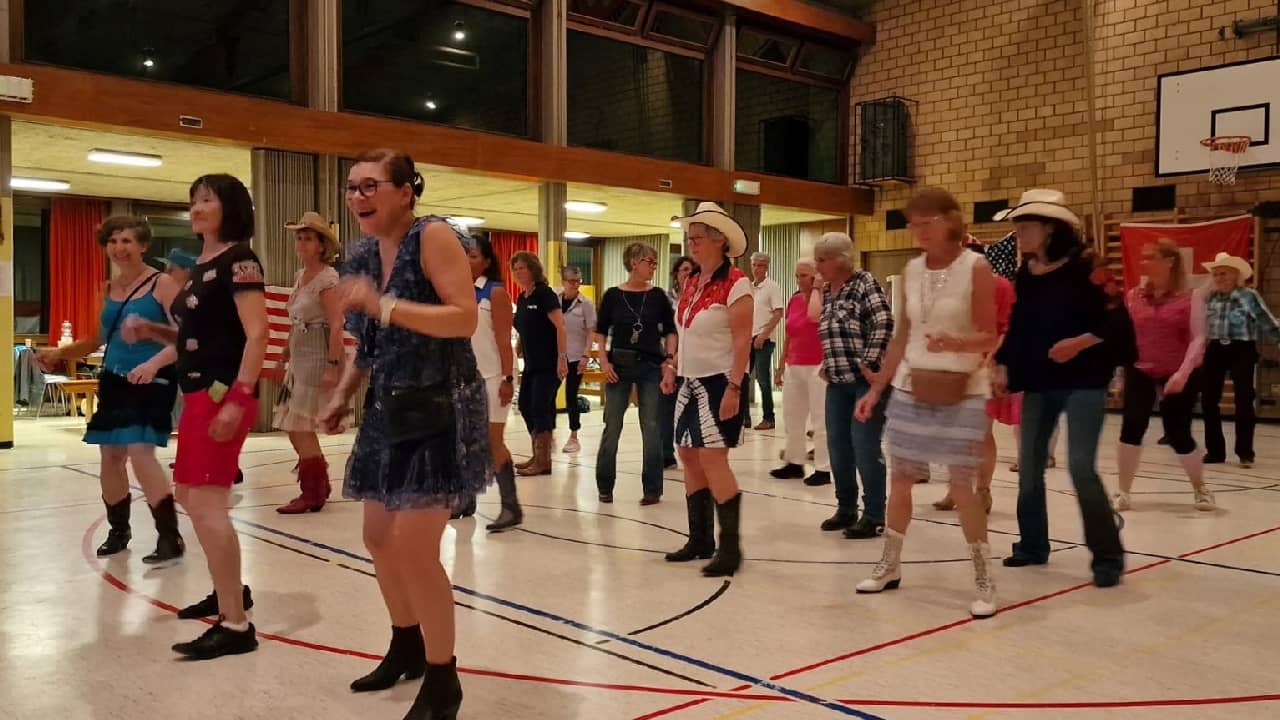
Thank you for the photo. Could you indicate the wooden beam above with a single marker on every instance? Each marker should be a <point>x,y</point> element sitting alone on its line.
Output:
<point>798,12</point>
<point>125,104</point>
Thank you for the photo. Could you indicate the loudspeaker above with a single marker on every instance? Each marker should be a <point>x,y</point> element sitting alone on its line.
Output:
<point>886,127</point>
<point>785,145</point>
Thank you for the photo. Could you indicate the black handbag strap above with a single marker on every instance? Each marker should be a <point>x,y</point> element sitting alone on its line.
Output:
<point>149,282</point>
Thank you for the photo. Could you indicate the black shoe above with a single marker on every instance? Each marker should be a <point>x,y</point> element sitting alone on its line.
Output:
<point>818,479</point>
<point>790,471</point>
<point>728,557</point>
<point>865,529</point>
<point>840,521</point>
<point>406,656</point>
<point>1164,440</point>
<point>1107,578</point>
<point>119,535</point>
<point>218,641</point>
<point>440,696</point>
<point>208,607</point>
<point>239,477</point>
<point>702,521</point>
<point>464,510</point>
<point>169,544</point>
<point>1214,459</point>
<point>1016,560</point>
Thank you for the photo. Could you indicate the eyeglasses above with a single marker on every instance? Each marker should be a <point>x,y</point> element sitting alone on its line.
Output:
<point>366,188</point>
<point>651,261</point>
<point>922,224</point>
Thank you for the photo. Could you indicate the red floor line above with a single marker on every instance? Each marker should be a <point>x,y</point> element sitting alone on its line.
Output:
<point>1083,705</point>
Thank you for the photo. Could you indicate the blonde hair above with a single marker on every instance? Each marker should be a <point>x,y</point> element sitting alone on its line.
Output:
<point>1169,250</point>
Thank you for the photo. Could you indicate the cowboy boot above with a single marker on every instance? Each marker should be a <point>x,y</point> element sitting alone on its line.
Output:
<point>169,544</point>
<point>702,543</point>
<point>533,443</point>
<point>512,514</point>
<point>728,557</point>
<point>313,478</point>
<point>119,535</point>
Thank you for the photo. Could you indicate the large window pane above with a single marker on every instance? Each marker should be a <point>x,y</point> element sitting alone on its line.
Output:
<point>236,45</point>
<point>787,127</point>
<point>437,61</point>
<point>634,99</point>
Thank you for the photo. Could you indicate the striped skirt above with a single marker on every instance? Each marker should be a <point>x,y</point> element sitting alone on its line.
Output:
<point>922,434</point>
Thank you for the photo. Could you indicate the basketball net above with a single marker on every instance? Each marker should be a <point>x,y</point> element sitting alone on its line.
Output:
<point>1225,154</point>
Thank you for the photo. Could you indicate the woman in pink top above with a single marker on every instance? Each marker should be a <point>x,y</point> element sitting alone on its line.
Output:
<point>1169,322</point>
<point>804,394</point>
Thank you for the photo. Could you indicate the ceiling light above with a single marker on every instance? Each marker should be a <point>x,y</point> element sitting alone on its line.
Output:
<point>459,31</point>
<point>676,224</point>
<point>114,157</point>
<point>431,105</point>
<point>147,61</point>
<point>582,206</point>
<point>465,221</point>
<point>575,235</point>
<point>24,183</point>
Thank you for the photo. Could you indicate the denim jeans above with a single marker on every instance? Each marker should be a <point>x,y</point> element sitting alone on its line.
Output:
<point>762,368</point>
<point>1085,414</point>
<point>647,379</point>
<point>855,445</point>
<point>668,422</point>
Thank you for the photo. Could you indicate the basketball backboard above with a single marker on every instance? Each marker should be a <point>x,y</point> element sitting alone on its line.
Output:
<point>1236,99</point>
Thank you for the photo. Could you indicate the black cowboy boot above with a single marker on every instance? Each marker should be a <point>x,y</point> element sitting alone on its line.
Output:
<point>702,543</point>
<point>729,555</point>
<point>119,535</point>
<point>169,545</point>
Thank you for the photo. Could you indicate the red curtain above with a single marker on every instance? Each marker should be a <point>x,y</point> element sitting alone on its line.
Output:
<point>76,266</point>
<point>506,244</point>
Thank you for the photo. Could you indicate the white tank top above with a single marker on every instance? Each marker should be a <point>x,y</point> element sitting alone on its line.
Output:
<point>483,343</point>
<point>940,301</point>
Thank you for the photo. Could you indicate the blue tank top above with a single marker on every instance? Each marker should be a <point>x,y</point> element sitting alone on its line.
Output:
<point>121,356</point>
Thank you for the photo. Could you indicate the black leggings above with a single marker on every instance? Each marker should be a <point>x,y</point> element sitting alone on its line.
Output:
<point>538,399</point>
<point>572,382</point>
<point>1140,392</point>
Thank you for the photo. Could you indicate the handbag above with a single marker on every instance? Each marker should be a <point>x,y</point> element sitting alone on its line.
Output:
<point>624,358</point>
<point>939,387</point>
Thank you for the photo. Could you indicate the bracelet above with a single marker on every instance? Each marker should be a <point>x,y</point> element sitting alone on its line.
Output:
<point>386,304</point>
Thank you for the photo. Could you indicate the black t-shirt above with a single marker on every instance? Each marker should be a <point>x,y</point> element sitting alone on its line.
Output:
<point>621,310</point>
<point>210,337</point>
<point>537,332</point>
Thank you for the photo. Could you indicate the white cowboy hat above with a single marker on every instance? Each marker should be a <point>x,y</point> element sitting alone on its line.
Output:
<point>712,215</point>
<point>1227,260</point>
<point>1040,203</point>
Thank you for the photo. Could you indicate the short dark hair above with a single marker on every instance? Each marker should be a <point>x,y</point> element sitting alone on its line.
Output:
<point>118,223</point>
<point>1064,238</point>
<point>237,205</point>
<point>401,169</point>
<point>493,271</point>
<point>532,262</point>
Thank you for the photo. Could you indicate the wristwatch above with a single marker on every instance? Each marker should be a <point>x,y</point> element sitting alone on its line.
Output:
<point>564,356</point>
<point>508,379</point>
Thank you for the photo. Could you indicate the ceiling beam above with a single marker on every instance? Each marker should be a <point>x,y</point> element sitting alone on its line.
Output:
<point>99,101</point>
<point>803,14</point>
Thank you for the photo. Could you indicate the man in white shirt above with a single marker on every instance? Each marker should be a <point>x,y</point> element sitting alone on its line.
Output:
<point>769,306</point>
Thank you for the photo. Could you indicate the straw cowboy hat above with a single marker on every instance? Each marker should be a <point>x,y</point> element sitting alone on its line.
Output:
<point>1040,203</point>
<point>1227,260</point>
<point>712,215</point>
<point>315,222</point>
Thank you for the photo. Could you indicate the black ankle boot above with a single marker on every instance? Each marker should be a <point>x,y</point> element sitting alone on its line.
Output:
<point>405,656</point>
<point>169,545</point>
<point>702,543</point>
<point>119,535</point>
<point>729,555</point>
<point>440,695</point>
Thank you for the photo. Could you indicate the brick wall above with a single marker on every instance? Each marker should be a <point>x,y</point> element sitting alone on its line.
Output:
<point>1001,86</point>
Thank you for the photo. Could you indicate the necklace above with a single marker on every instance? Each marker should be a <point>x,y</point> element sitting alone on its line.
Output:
<point>636,327</point>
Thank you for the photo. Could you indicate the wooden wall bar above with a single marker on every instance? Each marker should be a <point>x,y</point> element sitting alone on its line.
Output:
<point>91,100</point>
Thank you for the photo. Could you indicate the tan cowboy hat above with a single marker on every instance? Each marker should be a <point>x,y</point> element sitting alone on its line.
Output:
<point>1040,203</point>
<point>1227,260</point>
<point>712,215</point>
<point>314,221</point>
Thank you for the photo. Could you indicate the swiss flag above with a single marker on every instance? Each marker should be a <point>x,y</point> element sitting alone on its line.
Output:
<point>1200,243</point>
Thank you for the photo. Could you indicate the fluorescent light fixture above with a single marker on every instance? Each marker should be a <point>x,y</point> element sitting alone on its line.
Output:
<point>575,235</point>
<point>582,206</point>
<point>25,183</point>
<point>676,224</point>
<point>465,221</point>
<point>114,157</point>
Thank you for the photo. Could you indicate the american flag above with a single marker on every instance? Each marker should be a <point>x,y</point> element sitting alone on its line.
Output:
<point>279,326</point>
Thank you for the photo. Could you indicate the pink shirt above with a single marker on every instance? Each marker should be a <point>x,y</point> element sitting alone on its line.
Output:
<point>1004,304</point>
<point>1163,329</point>
<point>804,347</point>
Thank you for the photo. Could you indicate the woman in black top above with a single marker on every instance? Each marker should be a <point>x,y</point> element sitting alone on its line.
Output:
<point>543,344</point>
<point>221,338</point>
<point>637,321</point>
<point>1061,352</point>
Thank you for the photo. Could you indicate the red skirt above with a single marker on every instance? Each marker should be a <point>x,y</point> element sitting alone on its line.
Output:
<point>1006,410</point>
<point>201,460</point>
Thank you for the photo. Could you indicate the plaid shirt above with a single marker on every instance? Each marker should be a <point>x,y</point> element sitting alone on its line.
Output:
<point>1240,315</point>
<point>856,325</point>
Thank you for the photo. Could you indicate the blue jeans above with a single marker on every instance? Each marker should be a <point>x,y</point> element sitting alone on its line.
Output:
<point>762,368</point>
<point>855,445</point>
<point>668,422</point>
<point>647,379</point>
<point>1085,413</point>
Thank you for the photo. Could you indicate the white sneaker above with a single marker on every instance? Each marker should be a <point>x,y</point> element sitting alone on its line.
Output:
<point>572,446</point>
<point>1120,501</point>
<point>1204,499</point>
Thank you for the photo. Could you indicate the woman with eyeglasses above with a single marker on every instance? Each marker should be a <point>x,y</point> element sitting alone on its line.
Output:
<point>423,448</point>
<point>579,324</point>
<point>637,328</point>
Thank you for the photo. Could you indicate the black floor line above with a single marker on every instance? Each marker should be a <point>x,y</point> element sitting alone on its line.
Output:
<point>1189,561</point>
<point>714,596</point>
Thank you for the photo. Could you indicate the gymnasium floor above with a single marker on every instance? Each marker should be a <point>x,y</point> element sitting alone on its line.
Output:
<point>577,616</point>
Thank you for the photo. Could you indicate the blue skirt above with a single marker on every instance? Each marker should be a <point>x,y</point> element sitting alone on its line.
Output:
<point>131,414</point>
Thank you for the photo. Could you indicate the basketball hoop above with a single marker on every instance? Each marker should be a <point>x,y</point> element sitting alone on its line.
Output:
<point>1225,154</point>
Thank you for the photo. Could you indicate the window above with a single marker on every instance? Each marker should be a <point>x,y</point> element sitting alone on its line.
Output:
<point>824,62</point>
<point>766,48</point>
<point>30,267</point>
<point>634,99</point>
<point>170,230</point>
<point>442,62</point>
<point>895,220</point>
<point>228,45</point>
<point>787,127</point>
<point>583,257</point>
<point>682,27</point>
<point>617,14</point>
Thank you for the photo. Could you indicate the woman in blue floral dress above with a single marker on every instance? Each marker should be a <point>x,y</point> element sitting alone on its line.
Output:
<point>422,448</point>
